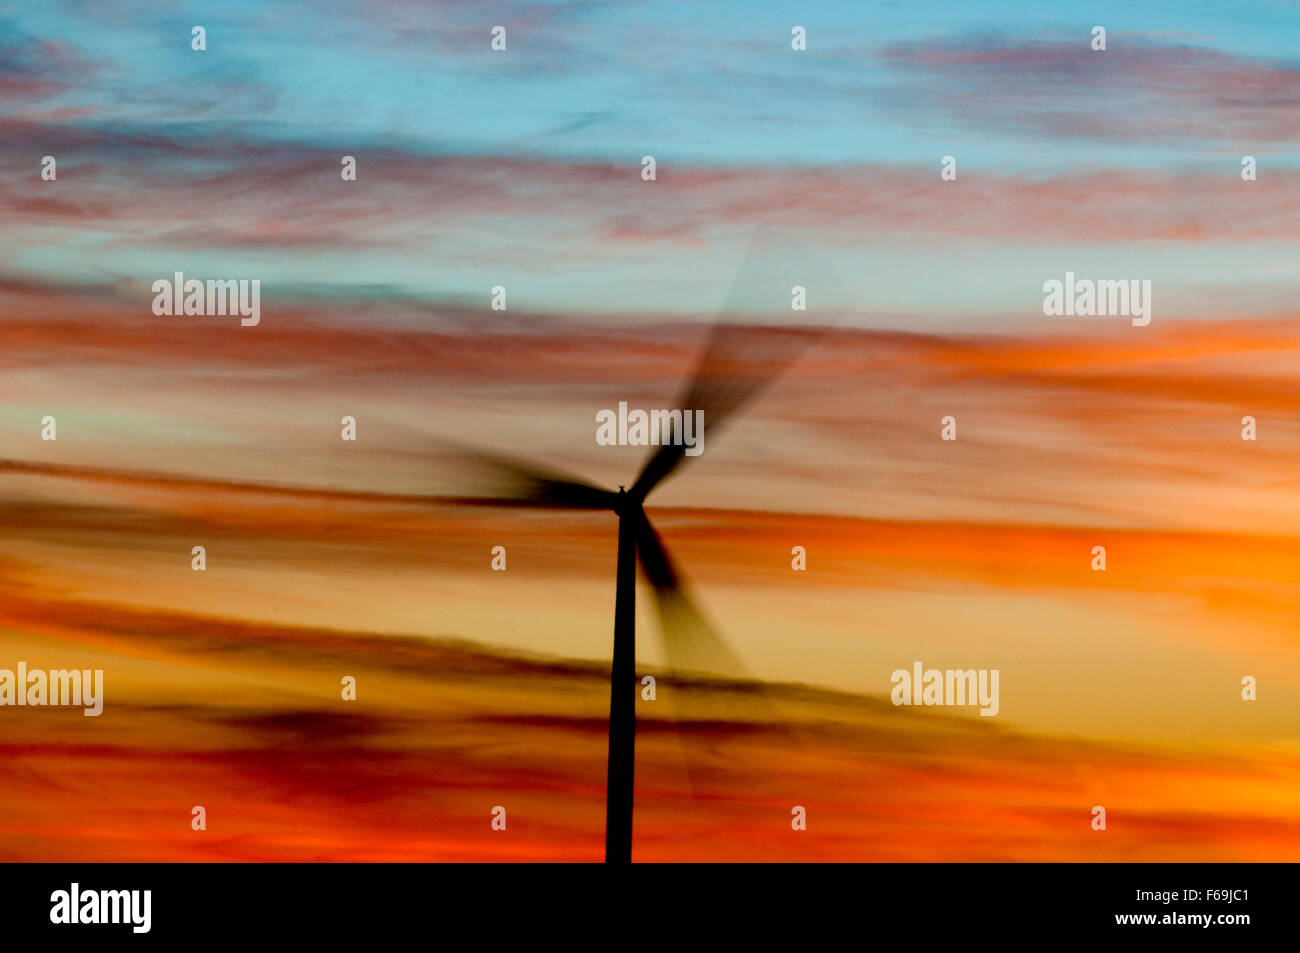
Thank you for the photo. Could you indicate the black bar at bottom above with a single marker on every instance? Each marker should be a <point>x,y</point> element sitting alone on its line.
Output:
<point>929,903</point>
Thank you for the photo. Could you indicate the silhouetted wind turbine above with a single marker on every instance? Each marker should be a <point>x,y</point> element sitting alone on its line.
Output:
<point>737,363</point>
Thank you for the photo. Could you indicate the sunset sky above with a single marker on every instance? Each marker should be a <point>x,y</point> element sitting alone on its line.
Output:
<point>775,168</point>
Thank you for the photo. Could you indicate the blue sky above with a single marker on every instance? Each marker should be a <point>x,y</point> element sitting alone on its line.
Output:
<point>693,82</point>
<point>243,137</point>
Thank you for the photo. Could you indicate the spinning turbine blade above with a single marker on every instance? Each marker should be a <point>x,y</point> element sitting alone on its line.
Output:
<point>690,642</point>
<point>738,362</point>
<point>728,711</point>
<point>527,485</point>
<point>506,481</point>
<point>530,488</point>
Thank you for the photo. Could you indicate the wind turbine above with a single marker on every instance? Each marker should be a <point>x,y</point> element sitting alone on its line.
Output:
<point>737,363</point>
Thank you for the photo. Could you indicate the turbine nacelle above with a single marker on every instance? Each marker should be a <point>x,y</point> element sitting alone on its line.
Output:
<point>626,503</point>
